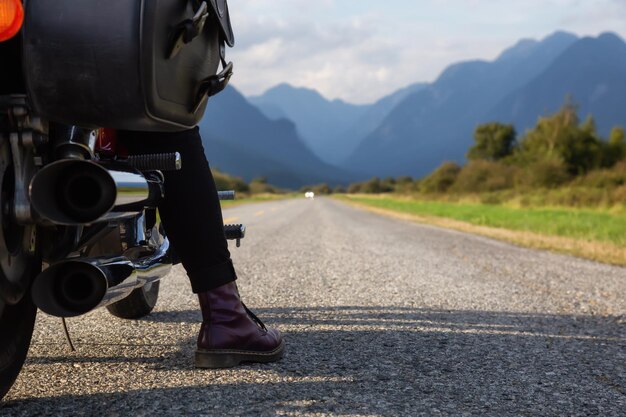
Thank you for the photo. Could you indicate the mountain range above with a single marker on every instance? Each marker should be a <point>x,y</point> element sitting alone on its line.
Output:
<point>295,136</point>
<point>331,129</point>
<point>240,140</point>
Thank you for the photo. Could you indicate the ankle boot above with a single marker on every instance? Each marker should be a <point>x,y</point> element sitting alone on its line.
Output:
<point>231,334</point>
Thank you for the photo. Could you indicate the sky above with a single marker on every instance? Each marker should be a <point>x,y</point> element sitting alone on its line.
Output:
<point>362,50</point>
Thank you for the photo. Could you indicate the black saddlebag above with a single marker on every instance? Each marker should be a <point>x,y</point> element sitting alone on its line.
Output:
<point>125,64</point>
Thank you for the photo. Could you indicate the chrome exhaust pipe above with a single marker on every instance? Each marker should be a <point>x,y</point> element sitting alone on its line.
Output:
<point>74,192</point>
<point>75,287</point>
<point>72,288</point>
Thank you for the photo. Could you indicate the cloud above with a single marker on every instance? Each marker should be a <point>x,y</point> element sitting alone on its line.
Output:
<point>360,50</point>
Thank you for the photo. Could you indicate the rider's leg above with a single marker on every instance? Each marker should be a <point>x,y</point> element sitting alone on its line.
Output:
<point>191,211</point>
<point>192,218</point>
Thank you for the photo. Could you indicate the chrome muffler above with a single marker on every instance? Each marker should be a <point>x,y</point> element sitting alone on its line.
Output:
<point>75,192</point>
<point>74,287</point>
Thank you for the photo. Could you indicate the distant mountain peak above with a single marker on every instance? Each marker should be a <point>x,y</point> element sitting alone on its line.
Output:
<point>525,47</point>
<point>606,47</point>
<point>560,35</point>
<point>319,121</point>
<point>610,37</point>
<point>457,70</point>
<point>522,47</point>
<point>285,89</point>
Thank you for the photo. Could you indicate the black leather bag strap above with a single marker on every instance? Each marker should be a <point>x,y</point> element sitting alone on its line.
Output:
<point>189,29</point>
<point>213,85</point>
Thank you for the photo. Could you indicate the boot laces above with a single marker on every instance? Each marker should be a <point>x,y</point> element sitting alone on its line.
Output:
<point>254,317</point>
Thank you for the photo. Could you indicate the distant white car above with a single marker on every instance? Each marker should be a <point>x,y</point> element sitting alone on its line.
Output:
<point>310,195</point>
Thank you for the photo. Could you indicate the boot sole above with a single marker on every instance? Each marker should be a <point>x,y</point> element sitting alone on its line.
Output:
<point>226,358</point>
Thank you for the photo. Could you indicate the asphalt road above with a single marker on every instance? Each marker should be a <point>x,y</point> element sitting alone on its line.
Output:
<point>381,318</point>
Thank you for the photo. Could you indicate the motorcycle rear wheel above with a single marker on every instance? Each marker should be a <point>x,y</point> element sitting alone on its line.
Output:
<point>19,264</point>
<point>138,304</point>
<point>16,327</point>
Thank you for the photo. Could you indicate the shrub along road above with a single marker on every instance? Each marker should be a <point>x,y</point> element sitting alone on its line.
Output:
<point>382,318</point>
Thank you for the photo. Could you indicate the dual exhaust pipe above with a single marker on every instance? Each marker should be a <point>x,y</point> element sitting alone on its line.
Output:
<point>80,192</point>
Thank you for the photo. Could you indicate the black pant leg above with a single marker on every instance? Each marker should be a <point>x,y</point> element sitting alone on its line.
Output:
<point>191,211</point>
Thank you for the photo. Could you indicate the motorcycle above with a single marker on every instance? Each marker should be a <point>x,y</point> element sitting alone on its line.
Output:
<point>79,225</point>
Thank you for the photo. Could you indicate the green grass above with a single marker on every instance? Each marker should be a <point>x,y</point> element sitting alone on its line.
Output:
<point>586,224</point>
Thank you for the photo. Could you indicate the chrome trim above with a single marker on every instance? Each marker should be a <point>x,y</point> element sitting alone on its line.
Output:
<point>156,266</point>
<point>77,143</point>
<point>132,187</point>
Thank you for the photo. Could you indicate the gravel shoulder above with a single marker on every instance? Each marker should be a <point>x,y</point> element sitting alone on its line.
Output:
<point>382,317</point>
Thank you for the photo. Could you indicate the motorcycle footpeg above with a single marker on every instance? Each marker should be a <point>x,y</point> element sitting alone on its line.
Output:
<point>226,195</point>
<point>235,232</point>
<point>156,162</point>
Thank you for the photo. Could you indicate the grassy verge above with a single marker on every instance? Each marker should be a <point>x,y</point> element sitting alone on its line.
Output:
<point>593,234</point>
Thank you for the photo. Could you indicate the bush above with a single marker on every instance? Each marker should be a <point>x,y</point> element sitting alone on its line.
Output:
<point>604,178</point>
<point>615,148</point>
<point>441,179</point>
<point>578,197</point>
<point>619,195</point>
<point>406,185</point>
<point>492,198</point>
<point>545,174</point>
<point>260,186</point>
<point>321,189</point>
<point>563,138</point>
<point>388,184</point>
<point>484,176</point>
<point>492,141</point>
<point>373,186</point>
<point>228,182</point>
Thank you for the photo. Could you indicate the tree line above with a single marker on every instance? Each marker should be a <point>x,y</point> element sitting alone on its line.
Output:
<point>560,151</point>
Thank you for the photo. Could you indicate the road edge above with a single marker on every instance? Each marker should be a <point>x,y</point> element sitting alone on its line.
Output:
<point>602,252</point>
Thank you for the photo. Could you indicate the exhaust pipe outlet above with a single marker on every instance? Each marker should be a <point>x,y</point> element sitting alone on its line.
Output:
<point>73,192</point>
<point>73,288</point>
